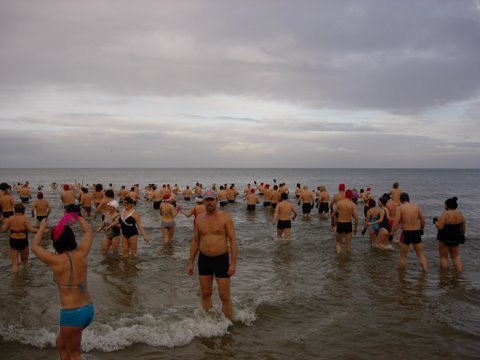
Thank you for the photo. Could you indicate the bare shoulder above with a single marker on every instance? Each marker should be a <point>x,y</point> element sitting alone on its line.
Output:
<point>224,215</point>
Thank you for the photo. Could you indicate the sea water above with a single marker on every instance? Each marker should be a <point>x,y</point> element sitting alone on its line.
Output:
<point>292,299</point>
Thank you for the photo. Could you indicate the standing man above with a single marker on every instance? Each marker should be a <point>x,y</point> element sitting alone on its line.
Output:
<point>345,210</point>
<point>215,241</point>
<point>41,208</point>
<point>307,199</point>
<point>410,216</point>
<point>67,196</point>
<point>283,217</point>
<point>395,193</point>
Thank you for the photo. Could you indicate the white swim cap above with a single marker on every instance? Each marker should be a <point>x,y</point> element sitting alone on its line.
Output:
<point>113,204</point>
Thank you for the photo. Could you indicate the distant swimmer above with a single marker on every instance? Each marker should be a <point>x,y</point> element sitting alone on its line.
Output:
<point>67,196</point>
<point>196,210</point>
<point>168,213</point>
<point>24,193</point>
<point>86,202</point>
<point>322,201</point>
<point>187,193</point>
<point>395,193</point>
<point>307,199</point>
<point>252,200</point>
<point>122,193</point>
<point>7,202</point>
<point>345,210</point>
<point>284,214</point>
<point>222,196</point>
<point>69,266</point>
<point>275,197</point>
<point>215,243</point>
<point>41,208</point>
<point>231,194</point>
<point>451,233</point>
<point>267,196</point>
<point>411,220</point>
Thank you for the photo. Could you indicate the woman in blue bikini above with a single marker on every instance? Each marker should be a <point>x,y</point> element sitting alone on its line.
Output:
<point>69,267</point>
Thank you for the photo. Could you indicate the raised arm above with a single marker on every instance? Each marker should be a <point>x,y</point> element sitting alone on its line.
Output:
<point>86,242</point>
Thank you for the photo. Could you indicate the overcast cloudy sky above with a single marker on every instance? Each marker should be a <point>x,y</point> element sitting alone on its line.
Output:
<point>200,83</point>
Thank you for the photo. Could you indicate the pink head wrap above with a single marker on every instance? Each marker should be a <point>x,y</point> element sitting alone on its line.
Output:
<point>70,217</point>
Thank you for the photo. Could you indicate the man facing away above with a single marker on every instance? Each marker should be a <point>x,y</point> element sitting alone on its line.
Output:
<point>410,218</point>
<point>283,217</point>
<point>215,242</point>
<point>343,213</point>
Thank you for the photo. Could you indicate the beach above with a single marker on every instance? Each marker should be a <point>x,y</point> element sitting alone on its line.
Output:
<point>292,299</point>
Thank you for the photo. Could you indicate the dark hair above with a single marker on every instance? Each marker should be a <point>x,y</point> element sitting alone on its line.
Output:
<point>98,187</point>
<point>451,203</point>
<point>128,200</point>
<point>383,200</point>
<point>66,241</point>
<point>371,203</point>
<point>39,195</point>
<point>404,197</point>
<point>19,208</point>
<point>109,193</point>
<point>284,196</point>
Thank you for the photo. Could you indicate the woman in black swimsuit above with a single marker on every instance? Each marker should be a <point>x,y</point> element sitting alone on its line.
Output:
<point>130,224</point>
<point>19,226</point>
<point>451,233</point>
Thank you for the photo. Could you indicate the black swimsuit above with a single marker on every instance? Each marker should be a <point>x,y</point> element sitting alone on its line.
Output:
<point>128,225</point>
<point>450,235</point>
<point>19,244</point>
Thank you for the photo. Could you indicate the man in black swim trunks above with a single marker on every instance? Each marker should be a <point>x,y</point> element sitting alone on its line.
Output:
<point>215,241</point>
<point>411,219</point>
<point>345,210</point>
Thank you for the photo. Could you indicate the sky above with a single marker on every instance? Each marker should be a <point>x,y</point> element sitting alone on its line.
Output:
<point>234,84</point>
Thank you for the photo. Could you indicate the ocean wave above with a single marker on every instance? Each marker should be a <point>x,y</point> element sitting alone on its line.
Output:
<point>154,330</point>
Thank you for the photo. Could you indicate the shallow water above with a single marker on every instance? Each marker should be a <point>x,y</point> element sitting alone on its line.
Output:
<point>293,299</point>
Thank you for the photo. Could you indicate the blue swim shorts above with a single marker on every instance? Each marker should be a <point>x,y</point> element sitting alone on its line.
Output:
<point>79,317</point>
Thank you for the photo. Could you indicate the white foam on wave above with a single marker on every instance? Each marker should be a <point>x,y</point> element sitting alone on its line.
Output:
<point>167,330</point>
<point>40,338</point>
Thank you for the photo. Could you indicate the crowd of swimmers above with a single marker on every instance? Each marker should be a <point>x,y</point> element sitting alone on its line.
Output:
<point>382,217</point>
<point>214,236</point>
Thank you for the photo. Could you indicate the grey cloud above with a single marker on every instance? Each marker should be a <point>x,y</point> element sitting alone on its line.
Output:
<point>349,54</point>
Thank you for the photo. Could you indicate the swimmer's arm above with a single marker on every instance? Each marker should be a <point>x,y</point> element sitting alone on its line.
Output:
<point>232,239</point>
<point>140,226</point>
<point>421,218</point>
<point>86,243</point>
<point>440,223</point>
<point>30,227</point>
<point>275,216</point>
<point>398,217</point>
<point>6,225</point>
<point>194,246</point>
<point>188,213</point>
<point>355,217</point>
